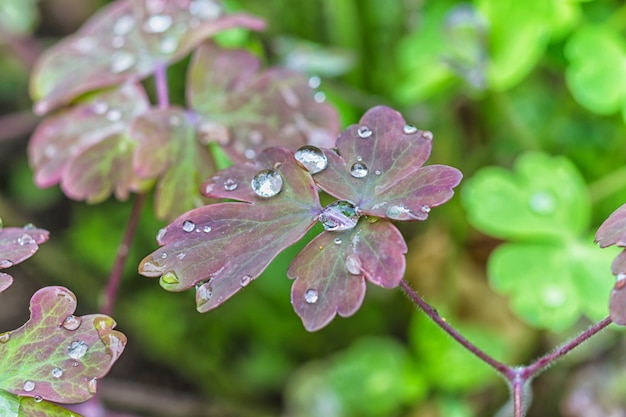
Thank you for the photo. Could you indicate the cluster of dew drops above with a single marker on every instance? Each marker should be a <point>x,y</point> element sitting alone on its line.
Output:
<point>26,239</point>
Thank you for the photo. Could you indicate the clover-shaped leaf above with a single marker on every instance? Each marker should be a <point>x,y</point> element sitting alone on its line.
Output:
<point>124,43</point>
<point>57,356</point>
<point>87,148</point>
<point>247,111</point>
<point>222,247</point>
<point>16,245</point>
<point>378,167</point>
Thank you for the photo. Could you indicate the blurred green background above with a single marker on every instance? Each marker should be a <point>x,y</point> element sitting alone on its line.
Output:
<point>527,99</point>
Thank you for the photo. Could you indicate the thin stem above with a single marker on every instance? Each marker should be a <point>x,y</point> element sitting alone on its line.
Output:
<point>434,315</point>
<point>110,294</point>
<point>160,81</point>
<point>518,397</point>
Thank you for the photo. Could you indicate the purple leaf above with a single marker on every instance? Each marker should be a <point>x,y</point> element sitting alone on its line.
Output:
<point>613,230</point>
<point>126,42</point>
<point>57,356</point>
<point>378,167</point>
<point>617,303</point>
<point>330,271</point>
<point>247,111</point>
<point>5,281</point>
<point>222,247</point>
<point>16,245</point>
<point>167,147</point>
<point>87,148</point>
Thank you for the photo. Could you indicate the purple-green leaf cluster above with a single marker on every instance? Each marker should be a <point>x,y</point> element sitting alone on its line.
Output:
<point>16,245</point>
<point>376,174</point>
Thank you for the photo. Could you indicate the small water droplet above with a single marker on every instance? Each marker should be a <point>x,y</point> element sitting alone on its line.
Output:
<point>378,172</point>
<point>124,24</point>
<point>99,107</point>
<point>37,398</point>
<point>359,170</point>
<point>398,212</point>
<point>353,264</point>
<point>168,44</point>
<point>249,153</point>
<point>205,9</point>
<point>338,241</point>
<point>4,337</point>
<point>6,263</point>
<point>188,226</point>
<point>25,239</point>
<point>122,61</point>
<point>92,386</point>
<point>161,235</point>
<point>267,183</point>
<point>181,256</point>
<point>157,23</point>
<point>319,97</point>
<point>311,296</point>
<point>315,81</point>
<point>57,373</point>
<point>245,280</point>
<point>204,293</point>
<point>230,184</point>
<point>114,115</point>
<point>425,208</point>
<point>170,277</point>
<point>543,202</point>
<point>85,45</point>
<point>28,386</point>
<point>72,322</point>
<point>77,349</point>
<point>364,132</point>
<point>207,229</point>
<point>409,129</point>
<point>428,135</point>
<point>311,158</point>
<point>359,158</point>
<point>164,255</point>
<point>340,215</point>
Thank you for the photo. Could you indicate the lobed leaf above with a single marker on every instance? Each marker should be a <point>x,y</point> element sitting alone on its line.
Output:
<point>87,148</point>
<point>222,247</point>
<point>57,356</point>
<point>16,245</point>
<point>246,110</point>
<point>124,43</point>
<point>613,230</point>
<point>378,167</point>
<point>330,271</point>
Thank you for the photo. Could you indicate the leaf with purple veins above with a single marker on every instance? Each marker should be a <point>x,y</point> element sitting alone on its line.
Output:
<point>57,356</point>
<point>247,111</point>
<point>378,167</point>
<point>331,270</point>
<point>168,149</point>
<point>222,247</point>
<point>87,149</point>
<point>125,42</point>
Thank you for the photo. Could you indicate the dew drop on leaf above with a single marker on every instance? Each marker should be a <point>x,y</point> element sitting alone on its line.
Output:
<point>122,61</point>
<point>409,129</point>
<point>204,9</point>
<point>28,386</point>
<point>181,256</point>
<point>188,226</point>
<point>77,349</point>
<point>164,255</point>
<point>353,264</point>
<point>124,25</point>
<point>425,208</point>
<point>315,81</point>
<point>170,277</point>
<point>319,97</point>
<point>92,386</point>
<point>4,337</point>
<point>338,241</point>
<point>57,373</point>
<point>160,236</point>
<point>311,158</point>
<point>72,322</point>
<point>249,153</point>
<point>157,24</point>
<point>168,44</point>
<point>311,296</point>
<point>427,135</point>
<point>396,212</point>
<point>25,239</point>
<point>359,170</point>
<point>364,132</point>
<point>267,183</point>
<point>114,115</point>
<point>340,215</point>
<point>206,229</point>
<point>230,184</point>
<point>37,398</point>
<point>378,172</point>
<point>245,280</point>
<point>99,107</point>
<point>542,202</point>
<point>5,263</point>
<point>204,292</point>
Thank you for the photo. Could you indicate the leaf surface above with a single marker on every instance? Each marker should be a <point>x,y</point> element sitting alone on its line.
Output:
<point>16,245</point>
<point>613,230</point>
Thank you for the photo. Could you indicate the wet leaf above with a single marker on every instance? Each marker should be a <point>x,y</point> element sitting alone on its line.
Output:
<point>87,148</point>
<point>222,247</point>
<point>330,271</point>
<point>16,245</point>
<point>57,356</point>
<point>168,149</point>
<point>378,167</point>
<point>125,42</point>
<point>247,110</point>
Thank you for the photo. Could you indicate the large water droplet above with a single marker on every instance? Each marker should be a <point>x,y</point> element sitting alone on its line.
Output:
<point>188,226</point>
<point>409,129</point>
<point>5,263</point>
<point>25,239</point>
<point>122,61</point>
<point>230,184</point>
<point>311,158</point>
<point>204,293</point>
<point>77,349</point>
<point>311,296</point>
<point>157,23</point>
<point>124,25</point>
<point>353,264</point>
<point>245,280</point>
<point>92,386</point>
<point>28,386</point>
<point>364,132</point>
<point>4,337</point>
<point>72,322</point>
<point>267,183</point>
<point>57,373</point>
<point>359,170</point>
<point>315,81</point>
<point>170,278</point>
<point>340,215</point>
<point>399,212</point>
<point>161,235</point>
<point>543,202</point>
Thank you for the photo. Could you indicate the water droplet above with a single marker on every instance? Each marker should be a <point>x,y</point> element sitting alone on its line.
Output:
<point>6,263</point>
<point>4,337</point>
<point>340,215</point>
<point>267,183</point>
<point>204,293</point>
<point>621,281</point>
<point>77,349</point>
<point>409,129</point>
<point>57,373</point>
<point>398,212</point>
<point>164,255</point>
<point>181,256</point>
<point>311,158</point>
<point>99,107</point>
<point>249,153</point>
<point>205,9</point>
<point>543,202</point>
<point>230,184</point>
<point>37,398</point>
<point>338,241</point>
<point>72,322</point>
<point>122,61</point>
<point>75,364</point>
<point>28,386</point>
<point>359,170</point>
<point>85,45</point>
<point>311,296</point>
<point>319,97</point>
<point>353,264</point>
<point>170,277</point>
<point>157,23</point>
<point>188,226</point>
<point>364,132</point>
<point>359,158</point>
<point>161,235</point>
<point>168,44</point>
<point>255,137</point>
<point>315,81</point>
<point>245,280</point>
<point>114,115</point>
<point>206,229</point>
<point>425,208</point>
<point>427,135</point>
<point>92,386</point>
<point>378,172</point>
<point>25,239</point>
<point>124,25</point>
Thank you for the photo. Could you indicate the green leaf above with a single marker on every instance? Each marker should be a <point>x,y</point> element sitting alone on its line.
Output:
<point>9,404</point>
<point>18,17</point>
<point>545,198</point>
